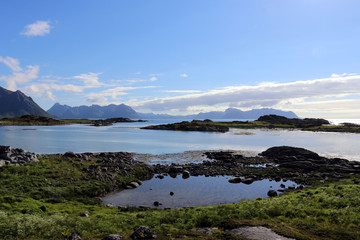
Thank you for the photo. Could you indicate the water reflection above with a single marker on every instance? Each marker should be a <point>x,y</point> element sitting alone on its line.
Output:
<point>193,191</point>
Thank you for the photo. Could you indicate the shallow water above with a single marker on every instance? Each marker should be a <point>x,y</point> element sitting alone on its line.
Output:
<point>129,137</point>
<point>193,191</point>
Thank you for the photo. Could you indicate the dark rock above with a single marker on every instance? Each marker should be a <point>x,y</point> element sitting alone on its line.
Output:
<point>185,174</point>
<point>113,237</point>
<point>248,181</point>
<point>15,156</point>
<point>171,193</point>
<point>70,155</point>
<point>160,176</point>
<point>272,193</point>
<point>175,169</point>
<point>74,236</point>
<point>142,233</point>
<point>156,203</point>
<point>235,180</point>
<point>287,154</point>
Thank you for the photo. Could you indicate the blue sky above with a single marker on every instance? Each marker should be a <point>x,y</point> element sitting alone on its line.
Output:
<point>185,56</point>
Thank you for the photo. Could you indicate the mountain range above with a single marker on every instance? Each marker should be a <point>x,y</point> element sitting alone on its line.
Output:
<point>93,111</point>
<point>230,113</point>
<point>16,104</point>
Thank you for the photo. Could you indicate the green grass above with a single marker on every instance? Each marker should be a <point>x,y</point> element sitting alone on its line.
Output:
<point>45,200</point>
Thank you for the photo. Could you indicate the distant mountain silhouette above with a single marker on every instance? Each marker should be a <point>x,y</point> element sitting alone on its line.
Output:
<point>230,113</point>
<point>93,111</point>
<point>16,104</point>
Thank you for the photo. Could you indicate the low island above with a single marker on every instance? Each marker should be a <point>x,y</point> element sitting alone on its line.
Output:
<point>263,122</point>
<point>32,120</point>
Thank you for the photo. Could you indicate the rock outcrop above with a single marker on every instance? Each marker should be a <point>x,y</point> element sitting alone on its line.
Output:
<point>15,156</point>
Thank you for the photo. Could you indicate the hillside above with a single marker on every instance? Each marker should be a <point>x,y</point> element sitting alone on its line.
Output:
<point>16,104</point>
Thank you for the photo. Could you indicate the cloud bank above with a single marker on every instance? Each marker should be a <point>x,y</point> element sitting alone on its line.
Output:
<point>263,95</point>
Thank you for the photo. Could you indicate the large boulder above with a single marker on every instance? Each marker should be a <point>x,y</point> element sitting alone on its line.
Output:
<point>288,154</point>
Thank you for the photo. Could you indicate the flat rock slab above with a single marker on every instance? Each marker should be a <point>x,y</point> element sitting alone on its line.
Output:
<point>258,233</point>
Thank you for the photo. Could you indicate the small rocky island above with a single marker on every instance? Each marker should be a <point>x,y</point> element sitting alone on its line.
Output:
<point>265,122</point>
<point>195,125</point>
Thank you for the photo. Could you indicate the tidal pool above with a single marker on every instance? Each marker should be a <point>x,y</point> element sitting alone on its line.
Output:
<point>193,191</point>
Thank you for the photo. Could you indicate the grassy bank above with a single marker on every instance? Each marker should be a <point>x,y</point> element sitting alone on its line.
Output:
<point>52,198</point>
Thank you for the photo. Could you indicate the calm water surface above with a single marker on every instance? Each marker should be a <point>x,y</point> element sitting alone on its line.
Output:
<point>194,191</point>
<point>128,137</point>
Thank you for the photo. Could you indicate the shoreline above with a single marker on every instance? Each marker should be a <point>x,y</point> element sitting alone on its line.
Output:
<point>68,186</point>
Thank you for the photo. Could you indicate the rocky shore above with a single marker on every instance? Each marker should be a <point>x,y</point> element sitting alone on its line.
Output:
<point>68,186</point>
<point>15,156</point>
<point>297,164</point>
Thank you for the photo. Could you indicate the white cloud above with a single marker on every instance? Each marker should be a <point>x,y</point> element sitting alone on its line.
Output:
<point>97,99</point>
<point>112,93</point>
<point>184,75</point>
<point>18,75</point>
<point>39,28</point>
<point>152,79</point>
<point>46,89</point>
<point>50,96</point>
<point>12,63</point>
<point>182,91</point>
<point>262,95</point>
<point>90,79</point>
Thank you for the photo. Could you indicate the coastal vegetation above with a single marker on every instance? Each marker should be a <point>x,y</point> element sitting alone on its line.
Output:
<point>263,122</point>
<point>58,195</point>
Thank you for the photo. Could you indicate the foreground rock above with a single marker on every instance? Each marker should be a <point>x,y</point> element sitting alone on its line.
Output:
<point>289,163</point>
<point>15,156</point>
<point>305,161</point>
<point>143,233</point>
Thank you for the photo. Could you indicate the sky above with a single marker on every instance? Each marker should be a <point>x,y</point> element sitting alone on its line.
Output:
<point>185,56</point>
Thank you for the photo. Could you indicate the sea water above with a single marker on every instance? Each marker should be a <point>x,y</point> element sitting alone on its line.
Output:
<point>130,138</point>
